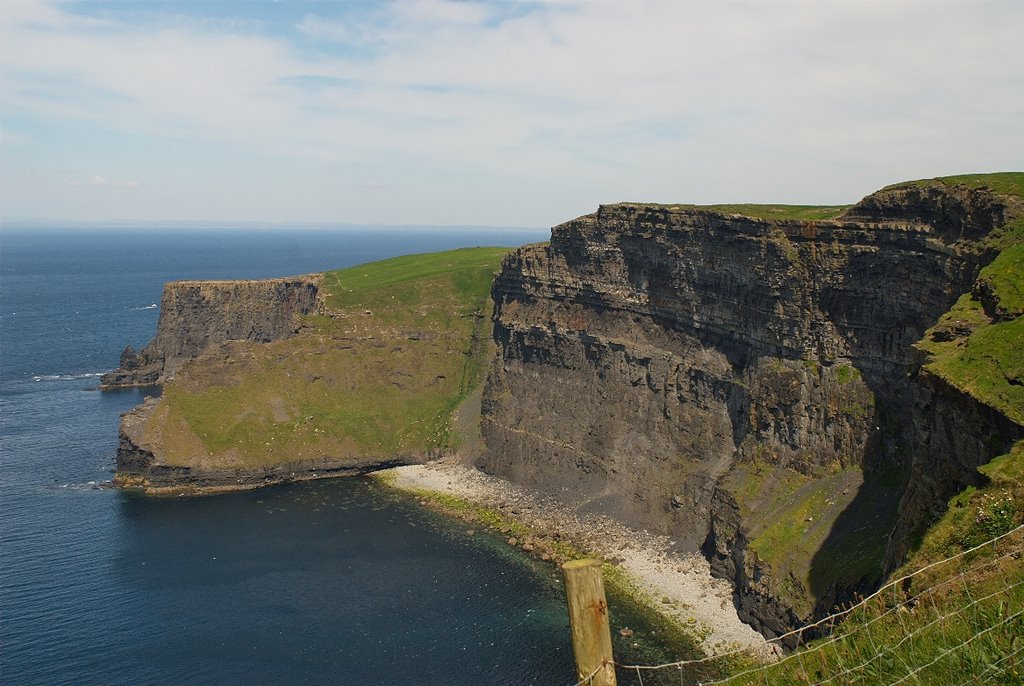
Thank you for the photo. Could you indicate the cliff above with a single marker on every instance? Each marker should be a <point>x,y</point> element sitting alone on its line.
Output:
<point>796,392</point>
<point>750,386</point>
<point>197,314</point>
<point>309,377</point>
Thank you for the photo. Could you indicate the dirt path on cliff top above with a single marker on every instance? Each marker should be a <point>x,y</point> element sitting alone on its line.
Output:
<point>681,584</point>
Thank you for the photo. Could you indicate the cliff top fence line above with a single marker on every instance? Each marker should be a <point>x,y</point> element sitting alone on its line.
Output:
<point>964,641</point>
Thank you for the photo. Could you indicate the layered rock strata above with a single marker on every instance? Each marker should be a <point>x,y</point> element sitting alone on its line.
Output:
<point>714,377</point>
<point>197,314</point>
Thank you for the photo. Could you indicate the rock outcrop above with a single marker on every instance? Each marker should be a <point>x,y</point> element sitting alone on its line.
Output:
<point>952,435</point>
<point>747,386</point>
<point>197,314</point>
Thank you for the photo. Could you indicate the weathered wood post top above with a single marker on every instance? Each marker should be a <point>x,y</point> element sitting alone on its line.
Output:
<point>588,622</point>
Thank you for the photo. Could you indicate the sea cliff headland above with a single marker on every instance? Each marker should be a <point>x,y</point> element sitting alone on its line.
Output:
<point>793,393</point>
<point>354,370</point>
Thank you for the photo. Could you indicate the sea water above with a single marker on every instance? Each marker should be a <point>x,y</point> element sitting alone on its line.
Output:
<point>329,582</point>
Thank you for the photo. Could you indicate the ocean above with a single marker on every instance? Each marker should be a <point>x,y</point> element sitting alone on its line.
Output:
<point>335,582</point>
<point>330,582</point>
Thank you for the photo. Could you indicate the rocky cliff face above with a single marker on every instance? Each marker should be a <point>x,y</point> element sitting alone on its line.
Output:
<point>747,386</point>
<point>197,314</point>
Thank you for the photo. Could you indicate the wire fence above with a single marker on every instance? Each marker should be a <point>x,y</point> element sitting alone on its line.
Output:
<point>955,621</point>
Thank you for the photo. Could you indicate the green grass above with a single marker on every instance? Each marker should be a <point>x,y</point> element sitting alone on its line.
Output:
<point>1003,276</point>
<point>846,373</point>
<point>987,362</point>
<point>799,212</point>
<point>756,211</point>
<point>1004,183</point>
<point>403,343</point>
<point>971,598</point>
<point>473,270</point>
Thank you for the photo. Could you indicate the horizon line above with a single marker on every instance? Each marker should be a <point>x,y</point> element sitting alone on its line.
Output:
<point>122,224</point>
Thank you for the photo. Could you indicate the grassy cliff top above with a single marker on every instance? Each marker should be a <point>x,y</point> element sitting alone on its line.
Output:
<point>978,346</point>
<point>403,342</point>
<point>1003,183</point>
<point>756,211</point>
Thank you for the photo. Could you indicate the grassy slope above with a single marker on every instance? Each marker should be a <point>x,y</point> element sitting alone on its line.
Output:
<point>405,342</point>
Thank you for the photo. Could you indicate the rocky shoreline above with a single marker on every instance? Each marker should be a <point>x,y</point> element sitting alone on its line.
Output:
<point>680,586</point>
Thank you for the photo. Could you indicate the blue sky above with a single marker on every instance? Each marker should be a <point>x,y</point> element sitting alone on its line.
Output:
<point>492,113</point>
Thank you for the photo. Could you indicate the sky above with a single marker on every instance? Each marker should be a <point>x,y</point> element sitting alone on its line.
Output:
<point>498,113</point>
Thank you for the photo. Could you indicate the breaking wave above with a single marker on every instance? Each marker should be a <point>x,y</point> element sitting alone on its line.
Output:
<point>87,486</point>
<point>67,377</point>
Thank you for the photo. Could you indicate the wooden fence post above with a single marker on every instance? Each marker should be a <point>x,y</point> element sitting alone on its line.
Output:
<point>588,621</point>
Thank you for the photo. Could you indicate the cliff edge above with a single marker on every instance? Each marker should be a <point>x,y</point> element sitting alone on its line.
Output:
<point>197,314</point>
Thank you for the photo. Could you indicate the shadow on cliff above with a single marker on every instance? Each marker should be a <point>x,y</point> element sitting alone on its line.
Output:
<point>849,562</point>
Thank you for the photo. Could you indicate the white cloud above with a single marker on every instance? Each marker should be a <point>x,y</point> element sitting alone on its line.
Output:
<point>321,29</point>
<point>432,13</point>
<point>462,106</point>
<point>102,182</point>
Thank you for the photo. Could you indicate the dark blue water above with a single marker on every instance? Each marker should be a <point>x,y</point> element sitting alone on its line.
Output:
<point>337,582</point>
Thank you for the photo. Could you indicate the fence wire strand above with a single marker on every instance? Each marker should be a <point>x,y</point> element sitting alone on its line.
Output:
<point>900,607</point>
